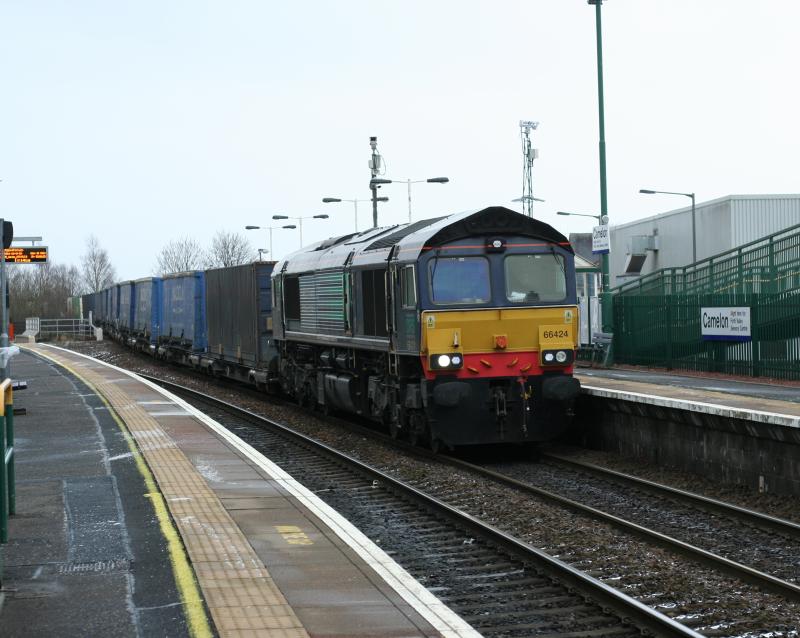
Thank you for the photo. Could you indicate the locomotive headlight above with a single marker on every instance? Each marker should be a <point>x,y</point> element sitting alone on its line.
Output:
<point>446,361</point>
<point>557,357</point>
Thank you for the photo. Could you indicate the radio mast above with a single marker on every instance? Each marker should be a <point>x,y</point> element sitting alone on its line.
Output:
<point>528,155</point>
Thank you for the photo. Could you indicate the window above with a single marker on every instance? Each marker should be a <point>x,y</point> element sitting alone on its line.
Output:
<point>459,280</point>
<point>536,278</point>
<point>373,287</point>
<point>291,297</point>
<point>408,288</point>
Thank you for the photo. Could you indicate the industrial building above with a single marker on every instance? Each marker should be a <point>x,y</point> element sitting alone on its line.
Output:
<point>666,240</point>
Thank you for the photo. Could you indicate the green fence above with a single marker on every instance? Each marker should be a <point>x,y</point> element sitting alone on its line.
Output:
<point>664,331</point>
<point>767,265</point>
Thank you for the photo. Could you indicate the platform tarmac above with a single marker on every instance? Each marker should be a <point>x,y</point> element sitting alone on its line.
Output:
<point>138,516</point>
<point>776,404</point>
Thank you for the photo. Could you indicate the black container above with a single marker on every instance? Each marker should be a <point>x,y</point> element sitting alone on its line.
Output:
<point>239,314</point>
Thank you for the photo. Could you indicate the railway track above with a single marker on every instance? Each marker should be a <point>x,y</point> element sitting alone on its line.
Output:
<point>500,584</point>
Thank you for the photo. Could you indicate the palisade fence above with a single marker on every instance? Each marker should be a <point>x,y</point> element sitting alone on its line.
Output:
<point>664,331</point>
<point>657,317</point>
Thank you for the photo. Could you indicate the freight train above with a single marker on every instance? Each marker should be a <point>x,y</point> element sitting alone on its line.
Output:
<point>454,331</point>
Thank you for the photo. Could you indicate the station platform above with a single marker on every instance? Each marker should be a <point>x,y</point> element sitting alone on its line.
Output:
<point>774,404</point>
<point>137,515</point>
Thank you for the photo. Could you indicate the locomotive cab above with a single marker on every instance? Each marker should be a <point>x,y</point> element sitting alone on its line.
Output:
<point>498,333</point>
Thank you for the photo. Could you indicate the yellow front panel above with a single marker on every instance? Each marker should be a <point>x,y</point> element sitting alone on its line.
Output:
<point>476,330</point>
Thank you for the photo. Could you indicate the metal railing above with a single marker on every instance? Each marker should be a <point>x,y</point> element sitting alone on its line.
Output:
<point>767,265</point>
<point>73,328</point>
<point>8,499</point>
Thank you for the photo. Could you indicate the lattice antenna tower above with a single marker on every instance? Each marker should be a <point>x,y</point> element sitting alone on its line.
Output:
<point>528,155</point>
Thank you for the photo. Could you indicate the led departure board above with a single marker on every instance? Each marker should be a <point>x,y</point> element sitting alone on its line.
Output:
<point>26,255</point>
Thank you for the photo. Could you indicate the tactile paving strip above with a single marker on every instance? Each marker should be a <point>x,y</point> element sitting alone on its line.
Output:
<point>238,590</point>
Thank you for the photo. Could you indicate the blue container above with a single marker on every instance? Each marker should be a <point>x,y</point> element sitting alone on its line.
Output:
<point>127,305</point>
<point>183,310</point>
<point>147,312</point>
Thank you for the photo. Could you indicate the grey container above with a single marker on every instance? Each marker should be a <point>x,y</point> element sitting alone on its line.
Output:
<point>127,304</point>
<point>239,314</point>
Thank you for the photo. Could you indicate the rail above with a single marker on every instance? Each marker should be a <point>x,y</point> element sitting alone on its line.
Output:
<point>8,499</point>
<point>57,328</point>
<point>608,597</point>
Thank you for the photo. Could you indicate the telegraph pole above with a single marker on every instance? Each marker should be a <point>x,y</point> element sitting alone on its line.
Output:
<point>375,167</point>
<point>606,301</point>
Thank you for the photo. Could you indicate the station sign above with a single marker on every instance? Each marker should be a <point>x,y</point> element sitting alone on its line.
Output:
<point>26,255</point>
<point>725,324</point>
<point>601,239</point>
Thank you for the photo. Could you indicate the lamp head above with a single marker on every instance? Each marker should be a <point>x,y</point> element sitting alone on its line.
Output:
<point>289,226</point>
<point>382,199</point>
<point>280,217</point>
<point>252,227</point>
<point>646,191</point>
<point>330,200</point>
<point>320,216</point>
<point>376,181</point>
<point>438,180</point>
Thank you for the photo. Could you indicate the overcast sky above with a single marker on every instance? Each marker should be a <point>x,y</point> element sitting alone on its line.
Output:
<point>144,121</point>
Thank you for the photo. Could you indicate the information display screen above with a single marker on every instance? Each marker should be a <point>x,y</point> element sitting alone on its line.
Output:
<point>26,255</point>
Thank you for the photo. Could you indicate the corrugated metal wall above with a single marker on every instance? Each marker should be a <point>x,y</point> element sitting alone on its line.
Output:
<point>753,218</point>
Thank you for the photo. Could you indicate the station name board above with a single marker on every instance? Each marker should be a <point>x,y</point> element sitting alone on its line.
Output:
<point>725,324</point>
<point>26,255</point>
<point>601,240</point>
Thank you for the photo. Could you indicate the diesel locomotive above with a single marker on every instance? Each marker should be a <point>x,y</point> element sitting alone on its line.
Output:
<point>460,330</point>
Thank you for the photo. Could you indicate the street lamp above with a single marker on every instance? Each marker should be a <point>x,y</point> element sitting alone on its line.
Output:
<point>599,218</point>
<point>270,229</point>
<point>431,180</point>
<point>333,200</point>
<point>300,222</point>
<point>647,191</point>
<point>260,253</point>
<point>605,295</point>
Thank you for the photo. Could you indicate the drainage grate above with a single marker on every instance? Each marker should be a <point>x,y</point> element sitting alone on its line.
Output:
<point>97,567</point>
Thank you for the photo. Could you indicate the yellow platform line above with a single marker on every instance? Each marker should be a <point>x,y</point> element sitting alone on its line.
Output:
<point>238,590</point>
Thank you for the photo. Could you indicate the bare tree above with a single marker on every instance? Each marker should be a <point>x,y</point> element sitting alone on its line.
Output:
<point>41,290</point>
<point>180,255</point>
<point>230,249</point>
<point>96,269</point>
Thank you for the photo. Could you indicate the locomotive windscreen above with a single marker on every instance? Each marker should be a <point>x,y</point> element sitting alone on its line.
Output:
<point>532,278</point>
<point>459,279</point>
